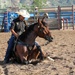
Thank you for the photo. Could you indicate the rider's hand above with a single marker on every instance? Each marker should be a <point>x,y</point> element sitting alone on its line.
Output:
<point>17,36</point>
<point>14,33</point>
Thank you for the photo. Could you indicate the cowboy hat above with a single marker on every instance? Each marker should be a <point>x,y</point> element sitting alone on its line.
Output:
<point>23,13</point>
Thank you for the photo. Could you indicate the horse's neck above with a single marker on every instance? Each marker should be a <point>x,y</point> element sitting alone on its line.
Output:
<point>30,38</point>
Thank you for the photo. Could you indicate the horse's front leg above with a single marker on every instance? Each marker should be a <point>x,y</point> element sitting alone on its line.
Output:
<point>34,53</point>
<point>22,52</point>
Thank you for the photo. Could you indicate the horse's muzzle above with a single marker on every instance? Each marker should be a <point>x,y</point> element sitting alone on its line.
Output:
<point>50,39</point>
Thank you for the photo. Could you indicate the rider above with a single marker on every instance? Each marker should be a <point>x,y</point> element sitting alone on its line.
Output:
<point>18,26</point>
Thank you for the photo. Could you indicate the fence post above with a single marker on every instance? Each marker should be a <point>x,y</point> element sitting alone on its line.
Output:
<point>59,10</point>
<point>62,22</point>
<point>67,23</point>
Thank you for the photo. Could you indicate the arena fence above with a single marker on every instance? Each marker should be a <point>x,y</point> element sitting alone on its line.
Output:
<point>60,17</point>
<point>65,16</point>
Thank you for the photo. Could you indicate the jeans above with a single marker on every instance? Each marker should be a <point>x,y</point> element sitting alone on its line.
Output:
<point>9,48</point>
<point>36,43</point>
<point>39,49</point>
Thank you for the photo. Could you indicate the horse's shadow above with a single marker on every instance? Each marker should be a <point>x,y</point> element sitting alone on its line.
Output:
<point>11,62</point>
<point>2,62</point>
<point>4,68</point>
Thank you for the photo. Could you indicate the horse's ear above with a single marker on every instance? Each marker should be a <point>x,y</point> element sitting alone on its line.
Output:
<point>39,21</point>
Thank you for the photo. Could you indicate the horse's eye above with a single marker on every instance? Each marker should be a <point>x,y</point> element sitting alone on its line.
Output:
<point>38,26</point>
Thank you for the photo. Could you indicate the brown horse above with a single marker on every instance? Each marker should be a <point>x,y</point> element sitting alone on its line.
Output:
<point>26,49</point>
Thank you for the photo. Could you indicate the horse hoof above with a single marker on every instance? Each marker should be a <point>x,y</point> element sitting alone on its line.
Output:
<point>25,62</point>
<point>41,58</point>
<point>51,37</point>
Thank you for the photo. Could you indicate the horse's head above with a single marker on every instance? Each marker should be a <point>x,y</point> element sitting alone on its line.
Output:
<point>43,31</point>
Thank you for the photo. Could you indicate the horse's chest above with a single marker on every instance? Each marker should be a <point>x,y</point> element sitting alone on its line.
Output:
<point>30,38</point>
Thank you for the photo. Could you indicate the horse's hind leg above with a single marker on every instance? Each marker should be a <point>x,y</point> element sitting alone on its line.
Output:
<point>34,54</point>
<point>22,52</point>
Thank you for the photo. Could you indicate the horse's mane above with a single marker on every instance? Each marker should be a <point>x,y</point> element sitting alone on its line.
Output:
<point>27,32</point>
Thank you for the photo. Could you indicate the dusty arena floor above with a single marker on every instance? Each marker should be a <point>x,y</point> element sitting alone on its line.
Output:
<point>62,50</point>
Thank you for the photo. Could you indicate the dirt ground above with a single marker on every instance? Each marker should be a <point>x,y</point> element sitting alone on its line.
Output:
<point>62,50</point>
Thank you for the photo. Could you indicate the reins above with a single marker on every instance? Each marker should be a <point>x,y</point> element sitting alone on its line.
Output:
<point>45,43</point>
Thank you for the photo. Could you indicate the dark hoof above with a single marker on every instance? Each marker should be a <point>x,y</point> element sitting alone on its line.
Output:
<point>51,37</point>
<point>42,58</point>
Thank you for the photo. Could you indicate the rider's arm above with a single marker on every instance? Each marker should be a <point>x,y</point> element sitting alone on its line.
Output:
<point>14,33</point>
<point>12,29</point>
